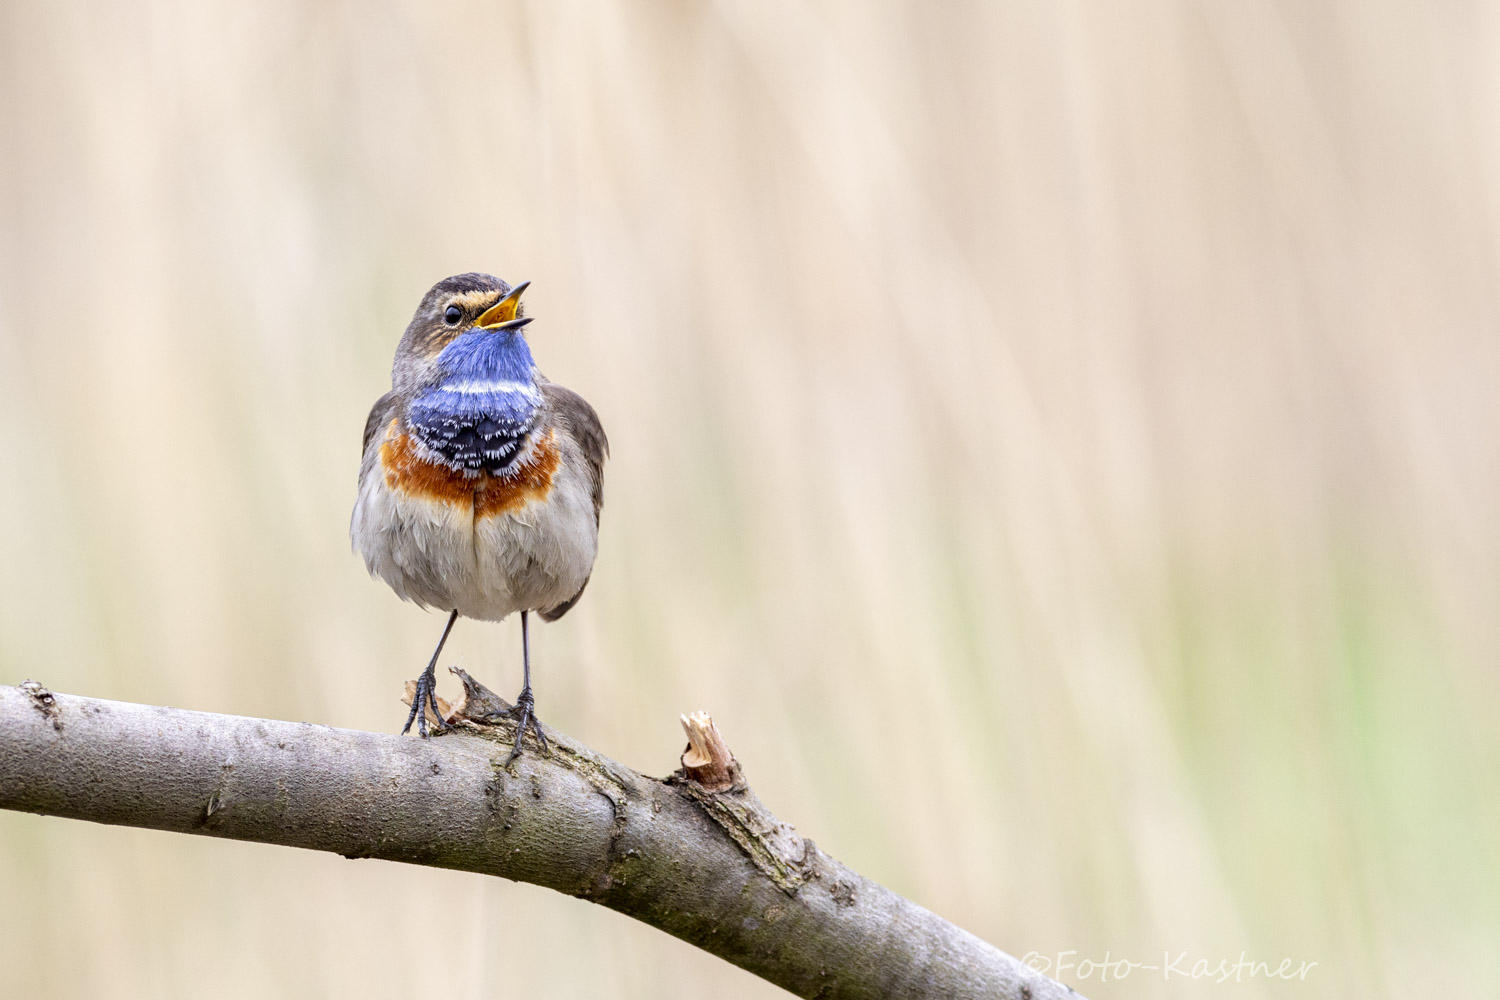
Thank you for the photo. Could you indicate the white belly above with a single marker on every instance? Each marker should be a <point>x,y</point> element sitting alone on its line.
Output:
<point>442,555</point>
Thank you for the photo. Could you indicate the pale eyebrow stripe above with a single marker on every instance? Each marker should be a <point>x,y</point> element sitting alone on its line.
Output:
<point>472,301</point>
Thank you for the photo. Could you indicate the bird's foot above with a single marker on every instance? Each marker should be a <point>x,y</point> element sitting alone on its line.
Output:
<point>424,696</point>
<point>524,712</point>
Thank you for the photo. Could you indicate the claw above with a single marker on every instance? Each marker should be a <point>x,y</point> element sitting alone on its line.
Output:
<point>523,711</point>
<point>425,696</point>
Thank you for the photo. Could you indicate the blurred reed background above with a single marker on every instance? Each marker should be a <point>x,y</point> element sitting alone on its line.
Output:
<point>1056,441</point>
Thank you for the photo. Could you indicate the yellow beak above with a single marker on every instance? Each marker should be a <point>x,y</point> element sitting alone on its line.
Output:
<point>504,311</point>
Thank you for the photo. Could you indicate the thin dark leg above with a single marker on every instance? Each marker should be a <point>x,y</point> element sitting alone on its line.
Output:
<point>524,709</point>
<point>426,693</point>
<point>525,652</point>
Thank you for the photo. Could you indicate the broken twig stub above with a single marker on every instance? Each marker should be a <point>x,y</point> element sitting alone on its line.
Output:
<point>707,759</point>
<point>711,777</point>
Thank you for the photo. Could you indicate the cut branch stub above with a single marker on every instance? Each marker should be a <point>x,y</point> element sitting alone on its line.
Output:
<point>477,703</point>
<point>711,777</point>
<point>707,759</point>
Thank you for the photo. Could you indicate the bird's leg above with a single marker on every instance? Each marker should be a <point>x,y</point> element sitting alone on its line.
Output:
<point>524,709</point>
<point>426,693</point>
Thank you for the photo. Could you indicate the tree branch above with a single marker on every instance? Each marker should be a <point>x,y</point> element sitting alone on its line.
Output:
<point>695,855</point>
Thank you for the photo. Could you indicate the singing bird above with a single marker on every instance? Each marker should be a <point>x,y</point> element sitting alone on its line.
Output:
<point>481,482</point>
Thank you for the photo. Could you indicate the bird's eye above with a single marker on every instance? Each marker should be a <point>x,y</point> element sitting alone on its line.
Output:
<point>453,315</point>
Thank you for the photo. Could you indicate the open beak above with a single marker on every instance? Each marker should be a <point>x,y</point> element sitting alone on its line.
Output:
<point>502,315</point>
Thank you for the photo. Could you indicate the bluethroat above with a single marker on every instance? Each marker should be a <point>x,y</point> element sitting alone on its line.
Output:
<point>481,483</point>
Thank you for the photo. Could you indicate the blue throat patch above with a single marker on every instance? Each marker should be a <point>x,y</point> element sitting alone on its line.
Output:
<point>478,416</point>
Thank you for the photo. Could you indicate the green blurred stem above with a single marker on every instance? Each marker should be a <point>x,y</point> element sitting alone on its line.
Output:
<point>712,867</point>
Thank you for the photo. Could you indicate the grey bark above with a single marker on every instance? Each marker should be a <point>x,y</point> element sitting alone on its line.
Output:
<point>704,862</point>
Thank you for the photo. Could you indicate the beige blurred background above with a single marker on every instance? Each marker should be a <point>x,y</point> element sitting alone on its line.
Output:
<point>1057,441</point>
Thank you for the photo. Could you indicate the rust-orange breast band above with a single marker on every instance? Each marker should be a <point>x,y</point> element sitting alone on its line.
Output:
<point>528,481</point>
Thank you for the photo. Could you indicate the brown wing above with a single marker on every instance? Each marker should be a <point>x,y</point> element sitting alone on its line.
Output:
<point>573,416</point>
<point>380,415</point>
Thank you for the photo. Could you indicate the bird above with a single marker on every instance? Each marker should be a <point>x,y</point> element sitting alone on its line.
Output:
<point>481,481</point>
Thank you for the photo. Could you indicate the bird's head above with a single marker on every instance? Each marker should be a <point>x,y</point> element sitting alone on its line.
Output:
<point>468,327</point>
